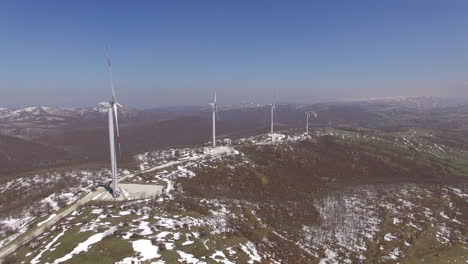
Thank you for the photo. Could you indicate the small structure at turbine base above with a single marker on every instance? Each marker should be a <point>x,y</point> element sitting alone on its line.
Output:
<point>276,137</point>
<point>129,192</point>
<point>218,150</point>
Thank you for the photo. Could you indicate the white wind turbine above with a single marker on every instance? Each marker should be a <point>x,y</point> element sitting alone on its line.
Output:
<point>214,107</point>
<point>273,108</point>
<point>112,109</point>
<point>307,120</point>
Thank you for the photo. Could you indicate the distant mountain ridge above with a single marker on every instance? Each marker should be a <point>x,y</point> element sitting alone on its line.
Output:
<point>82,132</point>
<point>42,113</point>
<point>417,103</point>
<point>32,122</point>
<point>49,117</point>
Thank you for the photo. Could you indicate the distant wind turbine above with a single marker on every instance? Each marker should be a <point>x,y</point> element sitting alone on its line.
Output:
<point>307,120</point>
<point>273,108</point>
<point>112,108</point>
<point>214,107</point>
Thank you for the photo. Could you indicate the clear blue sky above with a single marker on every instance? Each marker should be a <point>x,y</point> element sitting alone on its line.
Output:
<point>178,52</point>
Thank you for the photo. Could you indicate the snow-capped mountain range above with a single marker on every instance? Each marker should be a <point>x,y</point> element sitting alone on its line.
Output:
<point>43,113</point>
<point>26,121</point>
<point>31,122</point>
<point>62,114</point>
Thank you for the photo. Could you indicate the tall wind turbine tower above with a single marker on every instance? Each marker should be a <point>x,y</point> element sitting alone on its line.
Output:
<point>112,108</point>
<point>273,108</point>
<point>214,107</point>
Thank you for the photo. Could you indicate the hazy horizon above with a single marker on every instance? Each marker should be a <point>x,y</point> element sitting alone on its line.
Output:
<point>177,53</point>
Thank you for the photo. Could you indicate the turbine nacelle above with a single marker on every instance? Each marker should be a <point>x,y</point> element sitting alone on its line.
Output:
<point>273,106</point>
<point>109,104</point>
<point>309,113</point>
<point>104,105</point>
<point>214,106</point>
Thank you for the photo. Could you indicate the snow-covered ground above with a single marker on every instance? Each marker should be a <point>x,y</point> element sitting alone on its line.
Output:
<point>74,185</point>
<point>167,228</point>
<point>352,218</point>
<point>349,220</point>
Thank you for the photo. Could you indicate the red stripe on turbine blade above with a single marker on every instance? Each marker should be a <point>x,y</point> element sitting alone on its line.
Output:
<point>118,140</point>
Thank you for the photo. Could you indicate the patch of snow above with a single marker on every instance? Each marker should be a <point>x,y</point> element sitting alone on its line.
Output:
<point>146,230</point>
<point>444,215</point>
<point>51,201</point>
<point>250,249</point>
<point>219,257</point>
<point>330,259</point>
<point>188,258</point>
<point>97,211</point>
<point>443,234</point>
<point>36,259</point>
<point>163,234</point>
<point>146,249</point>
<point>169,245</point>
<point>459,193</point>
<point>127,235</point>
<point>84,246</point>
<point>130,260</point>
<point>47,220</point>
<point>389,237</point>
<point>395,254</point>
<point>124,212</point>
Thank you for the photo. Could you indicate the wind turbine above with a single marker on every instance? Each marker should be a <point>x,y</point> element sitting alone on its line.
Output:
<point>307,120</point>
<point>273,108</point>
<point>214,107</point>
<point>112,108</point>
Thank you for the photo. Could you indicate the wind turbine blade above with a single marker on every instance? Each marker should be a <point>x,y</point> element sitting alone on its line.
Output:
<point>111,78</point>
<point>276,97</point>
